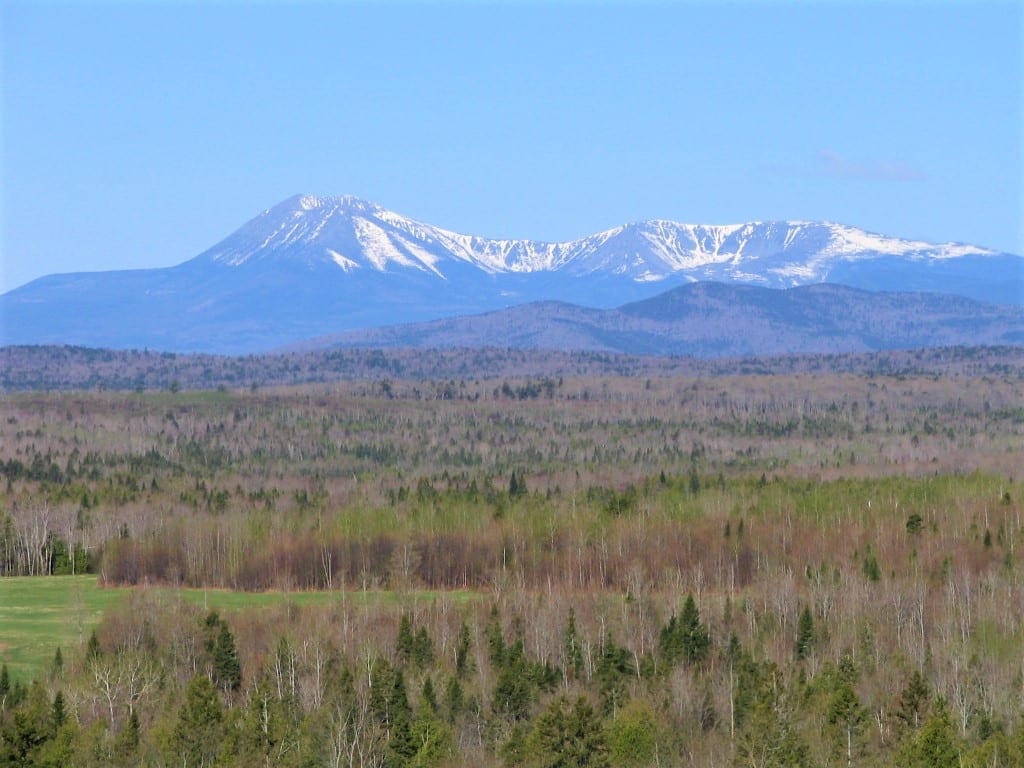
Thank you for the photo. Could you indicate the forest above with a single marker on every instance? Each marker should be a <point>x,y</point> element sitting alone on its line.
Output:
<point>771,565</point>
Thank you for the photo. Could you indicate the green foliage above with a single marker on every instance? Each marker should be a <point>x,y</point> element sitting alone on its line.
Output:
<point>848,719</point>
<point>614,666</point>
<point>514,689</point>
<point>935,745</point>
<point>633,736</point>
<point>769,740</point>
<point>684,638</point>
<point>805,634</point>
<point>872,571</point>
<point>227,668</point>
<point>572,648</point>
<point>914,701</point>
<point>495,638</point>
<point>567,736</point>
<point>199,730</point>
<point>463,662</point>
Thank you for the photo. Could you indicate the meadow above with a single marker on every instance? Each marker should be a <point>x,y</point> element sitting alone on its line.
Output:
<point>803,568</point>
<point>40,614</point>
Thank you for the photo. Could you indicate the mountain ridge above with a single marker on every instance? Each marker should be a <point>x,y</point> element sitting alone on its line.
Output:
<point>311,266</point>
<point>716,320</point>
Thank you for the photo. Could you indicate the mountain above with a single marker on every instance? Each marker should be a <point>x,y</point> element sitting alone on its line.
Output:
<point>312,266</point>
<point>718,320</point>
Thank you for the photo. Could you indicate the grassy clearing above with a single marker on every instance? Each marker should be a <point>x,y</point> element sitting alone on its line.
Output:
<point>40,613</point>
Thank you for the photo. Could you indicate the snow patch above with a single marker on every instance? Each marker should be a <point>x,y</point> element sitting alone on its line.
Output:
<point>347,265</point>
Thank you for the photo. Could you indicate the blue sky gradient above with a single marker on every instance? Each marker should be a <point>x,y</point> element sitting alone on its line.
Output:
<point>137,135</point>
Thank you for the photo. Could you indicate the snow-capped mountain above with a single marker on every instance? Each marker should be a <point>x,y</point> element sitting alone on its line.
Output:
<point>355,234</point>
<point>311,266</point>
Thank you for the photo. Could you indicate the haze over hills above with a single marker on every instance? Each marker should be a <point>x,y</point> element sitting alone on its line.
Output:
<point>312,266</point>
<point>718,320</point>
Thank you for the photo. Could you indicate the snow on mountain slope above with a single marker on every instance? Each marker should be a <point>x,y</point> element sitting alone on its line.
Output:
<point>355,234</point>
<point>310,266</point>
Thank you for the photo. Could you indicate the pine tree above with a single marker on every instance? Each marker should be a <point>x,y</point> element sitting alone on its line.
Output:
<point>5,681</point>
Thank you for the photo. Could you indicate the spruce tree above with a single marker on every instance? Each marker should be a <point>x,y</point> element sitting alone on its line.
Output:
<point>695,639</point>
<point>59,713</point>
<point>226,665</point>
<point>463,663</point>
<point>405,643</point>
<point>92,648</point>
<point>199,731</point>
<point>805,635</point>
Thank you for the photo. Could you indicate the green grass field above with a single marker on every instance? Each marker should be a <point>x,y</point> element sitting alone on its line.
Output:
<point>40,613</point>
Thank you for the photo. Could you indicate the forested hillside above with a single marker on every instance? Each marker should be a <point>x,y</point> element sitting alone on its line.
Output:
<point>798,569</point>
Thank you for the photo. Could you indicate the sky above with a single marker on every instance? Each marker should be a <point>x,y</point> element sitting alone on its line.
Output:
<point>137,135</point>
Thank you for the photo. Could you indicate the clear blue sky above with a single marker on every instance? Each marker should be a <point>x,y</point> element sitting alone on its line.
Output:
<point>137,135</point>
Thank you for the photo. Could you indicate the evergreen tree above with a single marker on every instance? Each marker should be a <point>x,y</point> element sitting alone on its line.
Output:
<point>495,638</point>
<point>684,637</point>
<point>92,648</point>
<point>513,692</point>
<point>805,635</point>
<point>28,729</point>
<point>696,641</point>
<point>565,736</point>
<point>454,699</point>
<point>463,663</point>
<point>935,745</point>
<point>422,649</point>
<point>199,731</point>
<point>5,681</point>
<point>573,649</point>
<point>59,713</point>
<point>226,666</point>
<point>914,699</point>
<point>848,720</point>
<point>405,643</point>
<point>401,743</point>
<point>427,695</point>
<point>128,739</point>
<point>614,666</point>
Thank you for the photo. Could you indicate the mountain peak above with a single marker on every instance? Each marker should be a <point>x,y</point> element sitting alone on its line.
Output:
<point>314,264</point>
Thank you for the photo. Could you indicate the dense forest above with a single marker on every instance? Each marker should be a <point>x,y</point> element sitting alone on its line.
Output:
<point>794,568</point>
